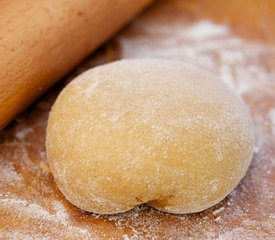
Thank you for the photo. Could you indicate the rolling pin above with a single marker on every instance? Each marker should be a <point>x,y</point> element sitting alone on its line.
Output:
<point>41,41</point>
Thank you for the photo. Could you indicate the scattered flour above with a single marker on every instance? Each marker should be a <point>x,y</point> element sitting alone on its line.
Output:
<point>36,211</point>
<point>22,132</point>
<point>8,173</point>
<point>238,63</point>
<point>204,30</point>
<point>218,211</point>
<point>272,120</point>
<point>209,45</point>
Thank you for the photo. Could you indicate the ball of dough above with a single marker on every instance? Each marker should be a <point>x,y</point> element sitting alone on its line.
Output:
<point>160,132</point>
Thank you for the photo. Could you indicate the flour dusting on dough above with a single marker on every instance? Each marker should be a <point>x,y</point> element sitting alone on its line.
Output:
<point>237,62</point>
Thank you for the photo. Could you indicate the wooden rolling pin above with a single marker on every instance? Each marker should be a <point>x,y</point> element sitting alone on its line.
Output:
<point>40,41</point>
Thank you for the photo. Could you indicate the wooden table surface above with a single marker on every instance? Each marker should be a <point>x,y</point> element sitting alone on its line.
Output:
<point>235,40</point>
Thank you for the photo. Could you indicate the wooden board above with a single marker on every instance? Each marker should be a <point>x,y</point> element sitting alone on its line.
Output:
<point>234,39</point>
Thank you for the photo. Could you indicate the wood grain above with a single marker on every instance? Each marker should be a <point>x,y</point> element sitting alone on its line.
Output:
<point>239,51</point>
<point>40,41</point>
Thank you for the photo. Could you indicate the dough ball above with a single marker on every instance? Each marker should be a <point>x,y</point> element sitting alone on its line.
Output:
<point>160,132</point>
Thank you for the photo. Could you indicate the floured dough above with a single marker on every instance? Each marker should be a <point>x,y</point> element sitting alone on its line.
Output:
<point>149,131</point>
